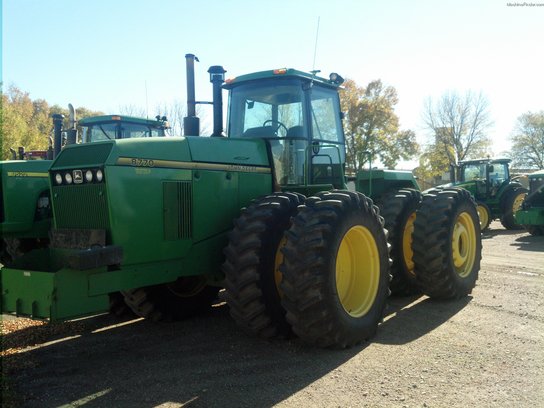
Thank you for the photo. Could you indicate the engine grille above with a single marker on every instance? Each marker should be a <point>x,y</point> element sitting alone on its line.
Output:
<point>536,191</point>
<point>81,206</point>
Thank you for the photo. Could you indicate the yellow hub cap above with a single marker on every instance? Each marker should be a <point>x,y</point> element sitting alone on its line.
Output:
<point>357,271</point>
<point>464,245</point>
<point>407,243</point>
<point>517,202</point>
<point>483,215</point>
<point>278,260</point>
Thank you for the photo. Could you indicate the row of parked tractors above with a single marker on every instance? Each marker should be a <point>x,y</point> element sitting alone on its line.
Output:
<point>264,218</point>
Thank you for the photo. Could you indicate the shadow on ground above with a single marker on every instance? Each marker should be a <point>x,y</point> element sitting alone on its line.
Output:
<point>529,243</point>
<point>200,362</point>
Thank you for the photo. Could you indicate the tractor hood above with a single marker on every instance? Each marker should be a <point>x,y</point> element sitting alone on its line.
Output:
<point>25,168</point>
<point>171,152</point>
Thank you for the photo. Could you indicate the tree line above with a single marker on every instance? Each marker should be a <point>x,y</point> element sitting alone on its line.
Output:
<point>458,127</point>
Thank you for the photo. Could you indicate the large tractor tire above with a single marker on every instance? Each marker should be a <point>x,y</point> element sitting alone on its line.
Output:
<point>484,215</point>
<point>184,298</point>
<point>253,257</point>
<point>510,203</point>
<point>447,244</point>
<point>399,211</point>
<point>335,270</point>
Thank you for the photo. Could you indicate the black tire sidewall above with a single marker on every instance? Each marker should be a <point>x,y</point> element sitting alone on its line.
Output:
<point>346,322</point>
<point>467,282</point>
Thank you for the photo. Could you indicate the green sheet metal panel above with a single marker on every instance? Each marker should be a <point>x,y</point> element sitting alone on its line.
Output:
<point>29,180</point>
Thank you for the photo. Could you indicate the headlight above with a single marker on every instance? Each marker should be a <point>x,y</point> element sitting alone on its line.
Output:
<point>68,178</point>
<point>89,176</point>
<point>58,178</point>
<point>99,175</point>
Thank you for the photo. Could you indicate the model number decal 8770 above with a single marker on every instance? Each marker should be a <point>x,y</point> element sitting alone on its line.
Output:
<point>142,162</point>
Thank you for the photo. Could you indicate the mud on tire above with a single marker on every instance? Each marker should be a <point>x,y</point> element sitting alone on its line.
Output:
<point>447,244</point>
<point>335,270</point>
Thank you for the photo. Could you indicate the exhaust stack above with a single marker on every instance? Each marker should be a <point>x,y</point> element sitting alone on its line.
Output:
<point>57,133</point>
<point>217,77</point>
<point>71,133</point>
<point>191,123</point>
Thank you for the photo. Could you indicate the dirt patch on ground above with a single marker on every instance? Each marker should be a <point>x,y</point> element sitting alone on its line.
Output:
<point>483,351</point>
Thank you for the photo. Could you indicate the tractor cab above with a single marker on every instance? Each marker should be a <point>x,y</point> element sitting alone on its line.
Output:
<point>487,175</point>
<point>98,128</point>
<point>298,115</point>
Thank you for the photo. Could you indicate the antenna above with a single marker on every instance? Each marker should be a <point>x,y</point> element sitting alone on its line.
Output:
<point>146,107</point>
<point>315,46</point>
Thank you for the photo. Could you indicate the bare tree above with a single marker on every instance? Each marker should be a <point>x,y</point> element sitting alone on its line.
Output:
<point>459,124</point>
<point>175,112</point>
<point>132,110</point>
<point>528,141</point>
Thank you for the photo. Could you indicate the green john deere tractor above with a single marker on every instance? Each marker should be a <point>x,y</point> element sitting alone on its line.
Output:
<point>531,214</point>
<point>25,208</point>
<point>497,195</point>
<point>304,255</point>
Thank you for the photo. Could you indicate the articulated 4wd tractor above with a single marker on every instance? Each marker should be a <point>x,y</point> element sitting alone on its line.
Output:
<point>25,208</point>
<point>531,213</point>
<point>497,195</point>
<point>304,255</point>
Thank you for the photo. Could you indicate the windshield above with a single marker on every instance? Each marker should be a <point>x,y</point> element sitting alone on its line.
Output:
<point>474,171</point>
<point>118,130</point>
<point>274,109</point>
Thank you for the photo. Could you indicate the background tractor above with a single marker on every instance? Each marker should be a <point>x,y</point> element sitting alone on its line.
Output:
<point>305,255</point>
<point>497,195</point>
<point>531,214</point>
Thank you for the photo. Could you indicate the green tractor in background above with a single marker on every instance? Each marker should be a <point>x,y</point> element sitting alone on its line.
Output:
<point>496,193</point>
<point>25,210</point>
<point>531,214</point>
<point>304,255</point>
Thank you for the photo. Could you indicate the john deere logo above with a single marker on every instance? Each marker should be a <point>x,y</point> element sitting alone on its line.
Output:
<point>78,176</point>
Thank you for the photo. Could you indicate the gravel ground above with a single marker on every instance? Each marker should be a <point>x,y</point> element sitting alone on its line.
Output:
<point>483,351</point>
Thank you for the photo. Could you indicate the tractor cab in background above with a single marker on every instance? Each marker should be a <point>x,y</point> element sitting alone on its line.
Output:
<point>497,195</point>
<point>298,114</point>
<point>488,176</point>
<point>98,128</point>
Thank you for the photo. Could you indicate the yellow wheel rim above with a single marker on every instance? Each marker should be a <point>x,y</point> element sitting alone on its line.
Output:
<point>407,243</point>
<point>357,271</point>
<point>483,215</point>
<point>464,245</point>
<point>517,202</point>
<point>278,260</point>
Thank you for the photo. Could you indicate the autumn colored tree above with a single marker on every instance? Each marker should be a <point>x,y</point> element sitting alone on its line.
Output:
<point>372,127</point>
<point>528,141</point>
<point>27,122</point>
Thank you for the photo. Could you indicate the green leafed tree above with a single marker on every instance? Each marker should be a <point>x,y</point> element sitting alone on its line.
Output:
<point>528,141</point>
<point>372,127</point>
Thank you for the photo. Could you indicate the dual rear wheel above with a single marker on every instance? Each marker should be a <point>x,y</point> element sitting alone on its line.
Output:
<point>325,274</point>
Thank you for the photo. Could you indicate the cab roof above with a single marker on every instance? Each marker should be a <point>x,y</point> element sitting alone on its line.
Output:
<point>121,118</point>
<point>486,160</point>
<point>277,74</point>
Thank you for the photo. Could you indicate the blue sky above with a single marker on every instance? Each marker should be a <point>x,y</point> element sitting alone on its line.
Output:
<point>104,54</point>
